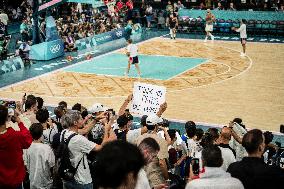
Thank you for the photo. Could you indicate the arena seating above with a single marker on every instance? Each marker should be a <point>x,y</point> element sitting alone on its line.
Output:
<point>258,22</point>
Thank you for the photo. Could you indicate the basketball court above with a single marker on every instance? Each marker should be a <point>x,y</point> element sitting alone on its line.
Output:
<point>206,82</point>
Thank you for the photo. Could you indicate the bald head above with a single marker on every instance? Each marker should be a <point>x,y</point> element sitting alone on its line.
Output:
<point>226,133</point>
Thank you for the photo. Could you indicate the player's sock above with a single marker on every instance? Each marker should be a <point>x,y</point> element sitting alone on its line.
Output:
<point>205,40</point>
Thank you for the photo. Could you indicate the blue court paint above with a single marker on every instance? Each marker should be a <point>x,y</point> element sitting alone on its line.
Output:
<point>152,67</point>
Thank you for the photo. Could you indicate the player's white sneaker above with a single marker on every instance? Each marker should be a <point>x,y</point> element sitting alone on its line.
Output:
<point>243,54</point>
<point>212,37</point>
<point>205,40</point>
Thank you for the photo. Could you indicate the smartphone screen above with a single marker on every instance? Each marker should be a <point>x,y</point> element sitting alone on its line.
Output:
<point>195,166</point>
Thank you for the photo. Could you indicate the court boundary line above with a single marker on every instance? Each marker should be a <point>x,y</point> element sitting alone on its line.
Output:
<point>229,69</point>
<point>189,69</point>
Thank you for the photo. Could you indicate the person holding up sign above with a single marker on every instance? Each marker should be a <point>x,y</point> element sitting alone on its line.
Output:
<point>132,53</point>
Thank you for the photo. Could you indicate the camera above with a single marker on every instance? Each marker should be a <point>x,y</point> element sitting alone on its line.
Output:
<point>165,123</point>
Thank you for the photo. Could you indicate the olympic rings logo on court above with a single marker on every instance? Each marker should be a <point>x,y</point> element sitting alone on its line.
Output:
<point>55,48</point>
<point>118,33</point>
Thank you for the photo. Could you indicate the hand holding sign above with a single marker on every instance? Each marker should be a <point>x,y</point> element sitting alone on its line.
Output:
<point>147,98</point>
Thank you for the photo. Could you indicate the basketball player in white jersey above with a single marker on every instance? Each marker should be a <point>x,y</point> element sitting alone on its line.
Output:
<point>132,53</point>
<point>243,35</point>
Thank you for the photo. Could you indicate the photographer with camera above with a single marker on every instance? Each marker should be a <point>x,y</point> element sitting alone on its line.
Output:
<point>78,146</point>
<point>12,143</point>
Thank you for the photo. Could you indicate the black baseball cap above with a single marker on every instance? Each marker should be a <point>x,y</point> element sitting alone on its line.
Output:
<point>122,120</point>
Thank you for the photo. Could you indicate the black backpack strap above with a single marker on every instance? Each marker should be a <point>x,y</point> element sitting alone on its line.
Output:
<point>49,135</point>
<point>63,133</point>
<point>69,138</point>
<point>79,163</point>
<point>67,142</point>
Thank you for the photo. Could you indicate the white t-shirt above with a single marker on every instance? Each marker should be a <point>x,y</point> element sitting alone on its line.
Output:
<point>132,135</point>
<point>228,157</point>
<point>163,153</point>
<point>243,31</point>
<point>4,18</point>
<point>39,158</point>
<point>149,10</point>
<point>191,147</point>
<point>48,134</point>
<point>142,180</point>
<point>79,146</point>
<point>132,49</point>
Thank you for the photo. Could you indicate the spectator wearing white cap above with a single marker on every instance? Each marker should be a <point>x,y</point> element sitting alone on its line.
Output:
<point>152,124</point>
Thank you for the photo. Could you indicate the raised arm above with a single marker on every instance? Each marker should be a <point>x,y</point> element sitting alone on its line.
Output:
<point>24,135</point>
<point>234,134</point>
<point>88,127</point>
<point>109,135</point>
<point>162,108</point>
<point>124,105</point>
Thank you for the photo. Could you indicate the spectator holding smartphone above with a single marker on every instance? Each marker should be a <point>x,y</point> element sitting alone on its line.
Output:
<point>214,176</point>
<point>12,143</point>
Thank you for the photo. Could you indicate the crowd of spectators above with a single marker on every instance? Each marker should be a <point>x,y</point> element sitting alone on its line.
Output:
<point>87,22</point>
<point>106,150</point>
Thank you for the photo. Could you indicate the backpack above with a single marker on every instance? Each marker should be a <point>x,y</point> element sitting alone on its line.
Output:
<point>65,169</point>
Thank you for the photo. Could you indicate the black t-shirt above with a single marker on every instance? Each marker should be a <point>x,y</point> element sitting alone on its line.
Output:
<point>121,135</point>
<point>254,173</point>
<point>172,23</point>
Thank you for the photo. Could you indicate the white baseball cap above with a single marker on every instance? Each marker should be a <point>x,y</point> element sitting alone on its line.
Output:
<point>153,119</point>
<point>97,107</point>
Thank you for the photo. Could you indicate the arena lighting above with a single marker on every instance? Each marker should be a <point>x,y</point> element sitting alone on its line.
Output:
<point>49,4</point>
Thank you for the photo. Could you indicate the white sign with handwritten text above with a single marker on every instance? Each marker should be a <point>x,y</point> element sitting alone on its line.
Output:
<point>147,98</point>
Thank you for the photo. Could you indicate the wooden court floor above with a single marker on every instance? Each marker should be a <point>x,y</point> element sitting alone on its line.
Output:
<point>224,87</point>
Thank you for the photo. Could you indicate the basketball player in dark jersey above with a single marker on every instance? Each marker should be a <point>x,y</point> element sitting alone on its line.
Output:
<point>173,23</point>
